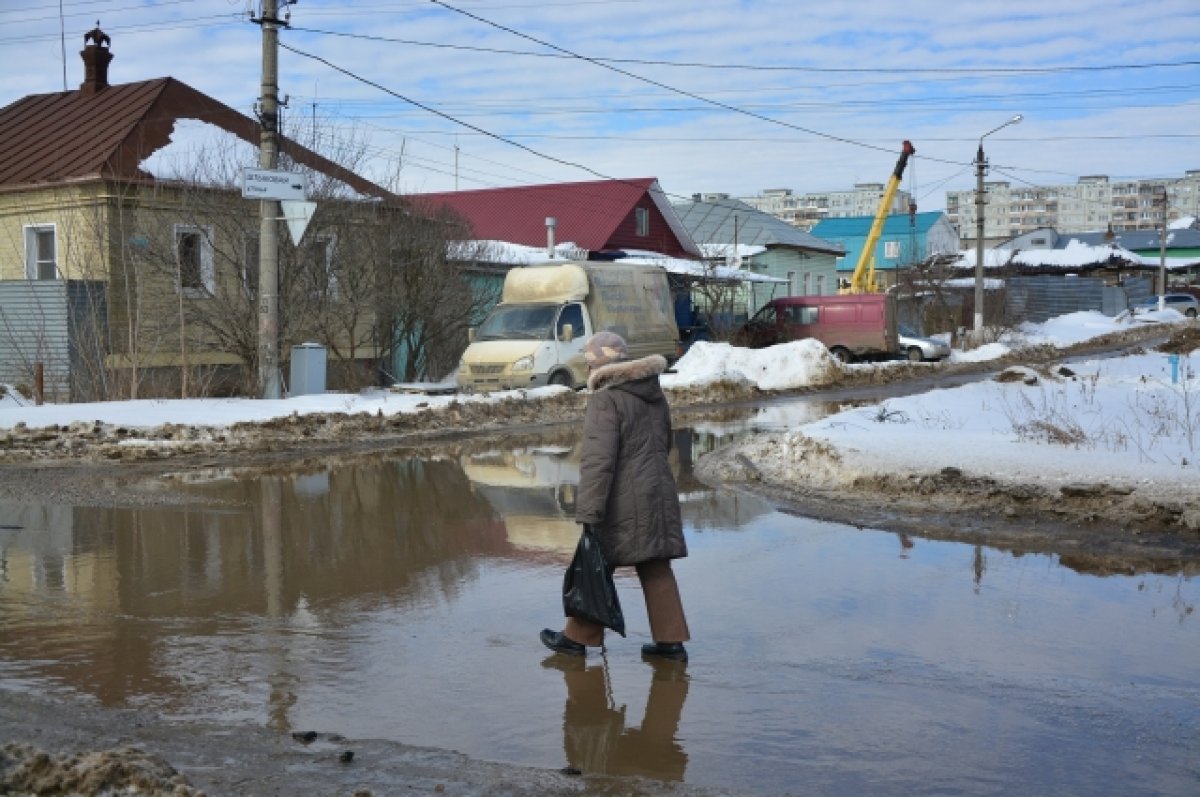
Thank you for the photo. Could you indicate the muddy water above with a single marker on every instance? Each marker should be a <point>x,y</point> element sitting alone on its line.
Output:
<point>401,599</point>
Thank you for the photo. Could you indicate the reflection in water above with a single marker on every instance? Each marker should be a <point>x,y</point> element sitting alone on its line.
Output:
<point>597,736</point>
<point>92,595</point>
<point>400,599</point>
<point>533,490</point>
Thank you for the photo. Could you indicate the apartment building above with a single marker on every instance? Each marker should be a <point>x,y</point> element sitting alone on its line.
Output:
<point>807,209</point>
<point>1091,204</point>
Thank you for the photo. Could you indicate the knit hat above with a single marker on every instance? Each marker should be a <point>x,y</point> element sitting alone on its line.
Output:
<point>603,348</point>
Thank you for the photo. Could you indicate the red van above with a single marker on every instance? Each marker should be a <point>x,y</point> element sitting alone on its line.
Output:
<point>852,326</point>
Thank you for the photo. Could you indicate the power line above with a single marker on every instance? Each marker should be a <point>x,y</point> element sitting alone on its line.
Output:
<point>446,116</point>
<point>716,103</point>
<point>481,131</point>
<point>966,71</point>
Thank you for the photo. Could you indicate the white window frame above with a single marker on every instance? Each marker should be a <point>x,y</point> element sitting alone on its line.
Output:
<point>207,269</point>
<point>641,218</point>
<point>331,280</point>
<point>891,249</point>
<point>33,259</point>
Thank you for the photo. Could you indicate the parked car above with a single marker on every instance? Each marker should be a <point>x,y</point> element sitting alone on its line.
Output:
<point>1183,302</point>
<point>917,348</point>
<point>852,326</point>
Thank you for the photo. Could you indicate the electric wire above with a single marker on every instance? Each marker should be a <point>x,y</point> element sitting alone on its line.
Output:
<point>966,71</point>
<point>716,103</point>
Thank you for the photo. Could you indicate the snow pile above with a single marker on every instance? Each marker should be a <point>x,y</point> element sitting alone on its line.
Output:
<point>1122,420</point>
<point>800,363</point>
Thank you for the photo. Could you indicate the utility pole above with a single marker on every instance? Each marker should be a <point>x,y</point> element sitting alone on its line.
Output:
<point>268,209</point>
<point>1162,250</point>
<point>981,165</point>
<point>980,203</point>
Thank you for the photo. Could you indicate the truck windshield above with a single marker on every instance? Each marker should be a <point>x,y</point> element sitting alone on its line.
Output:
<point>520,321</point>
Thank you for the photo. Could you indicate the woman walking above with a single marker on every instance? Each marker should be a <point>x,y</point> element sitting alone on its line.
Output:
<point>627,493</point>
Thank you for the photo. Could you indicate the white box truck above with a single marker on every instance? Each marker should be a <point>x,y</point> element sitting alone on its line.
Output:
<point>535,335</point>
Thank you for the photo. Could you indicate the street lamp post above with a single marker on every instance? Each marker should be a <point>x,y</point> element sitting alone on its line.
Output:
<point>980,201</point>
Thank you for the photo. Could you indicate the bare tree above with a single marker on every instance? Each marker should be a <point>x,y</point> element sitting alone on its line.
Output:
<point>425,294</point>
<point>372,280</point>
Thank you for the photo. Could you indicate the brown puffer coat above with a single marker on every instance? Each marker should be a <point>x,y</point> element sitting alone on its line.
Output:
<point>626,490</point>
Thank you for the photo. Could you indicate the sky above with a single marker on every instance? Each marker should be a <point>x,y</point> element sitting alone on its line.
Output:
<point>1138,416</point>
<point>730,96</point>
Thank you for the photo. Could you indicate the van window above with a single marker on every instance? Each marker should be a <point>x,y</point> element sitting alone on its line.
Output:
<point>571,314</point>
<point>765,316</point>
<point>802,314</point>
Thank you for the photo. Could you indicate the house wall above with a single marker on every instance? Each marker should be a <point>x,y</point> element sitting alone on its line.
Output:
<point>661,237</point>
<point>124,236</point>
<point>77,213</point>
<point>33,329</point>
<point>1043,238</point>
<point>941,239</point>
<point>853,244</point>
<point>784,263</point>
<point>909,244</point>
<point>58,324</point>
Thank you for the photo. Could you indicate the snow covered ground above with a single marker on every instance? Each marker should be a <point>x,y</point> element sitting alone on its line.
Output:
<point>1134,418</point>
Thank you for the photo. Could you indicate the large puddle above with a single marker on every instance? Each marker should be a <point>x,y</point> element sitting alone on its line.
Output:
<point>401,599</point>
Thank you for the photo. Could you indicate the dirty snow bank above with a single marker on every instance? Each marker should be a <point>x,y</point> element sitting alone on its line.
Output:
<point>1131,424</point>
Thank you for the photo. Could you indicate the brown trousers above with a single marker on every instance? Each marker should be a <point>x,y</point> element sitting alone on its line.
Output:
<point>663,607</point>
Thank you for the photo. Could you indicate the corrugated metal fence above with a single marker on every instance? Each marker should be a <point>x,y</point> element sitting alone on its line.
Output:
<point>58,323</point>
<point>1040,298</point>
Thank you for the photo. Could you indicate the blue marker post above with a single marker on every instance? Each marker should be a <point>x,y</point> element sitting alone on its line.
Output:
<point>1174,360</point>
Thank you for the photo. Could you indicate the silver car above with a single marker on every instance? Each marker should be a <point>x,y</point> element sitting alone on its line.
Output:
<point>1183,302</point>
<point>918,349</point>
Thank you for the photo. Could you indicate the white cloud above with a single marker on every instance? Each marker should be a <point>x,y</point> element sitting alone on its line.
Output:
<point>1094,122</point>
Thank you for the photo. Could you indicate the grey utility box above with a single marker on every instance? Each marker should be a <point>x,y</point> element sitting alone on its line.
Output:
<point>308,369</point>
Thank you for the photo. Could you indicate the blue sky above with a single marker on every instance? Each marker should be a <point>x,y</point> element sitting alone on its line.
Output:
<point>705,95</point>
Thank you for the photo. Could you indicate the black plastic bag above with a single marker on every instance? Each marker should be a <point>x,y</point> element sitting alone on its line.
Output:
<point>588,589</point>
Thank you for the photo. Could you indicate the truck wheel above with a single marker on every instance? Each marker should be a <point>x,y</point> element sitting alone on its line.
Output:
<point>841,354</point>
<point>914,355</point>
<point>1191,312</point>
<point>561,378</point>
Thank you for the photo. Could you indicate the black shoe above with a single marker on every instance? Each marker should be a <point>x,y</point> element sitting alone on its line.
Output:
<point>674,651</point>
<point>559,643</point>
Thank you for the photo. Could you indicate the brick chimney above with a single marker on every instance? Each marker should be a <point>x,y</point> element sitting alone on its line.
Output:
<point>96,58</point>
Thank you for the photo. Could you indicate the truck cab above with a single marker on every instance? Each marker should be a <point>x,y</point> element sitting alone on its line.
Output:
<point>535,335</point>
<point>527,345</point>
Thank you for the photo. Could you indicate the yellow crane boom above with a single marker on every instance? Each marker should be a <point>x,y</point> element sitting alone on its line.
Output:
<point>863,279</point>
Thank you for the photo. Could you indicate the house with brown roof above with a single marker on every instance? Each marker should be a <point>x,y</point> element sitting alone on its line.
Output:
<point>112,279</point>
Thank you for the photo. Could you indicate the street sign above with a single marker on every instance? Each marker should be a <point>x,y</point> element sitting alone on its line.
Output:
<point>297,215</point>
<point>271,184</point>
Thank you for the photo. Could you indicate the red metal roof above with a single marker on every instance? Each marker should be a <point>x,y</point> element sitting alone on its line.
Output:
<point>595,215</point>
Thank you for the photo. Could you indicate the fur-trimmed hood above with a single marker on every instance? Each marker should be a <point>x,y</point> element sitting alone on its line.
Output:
<point>625,371</point>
